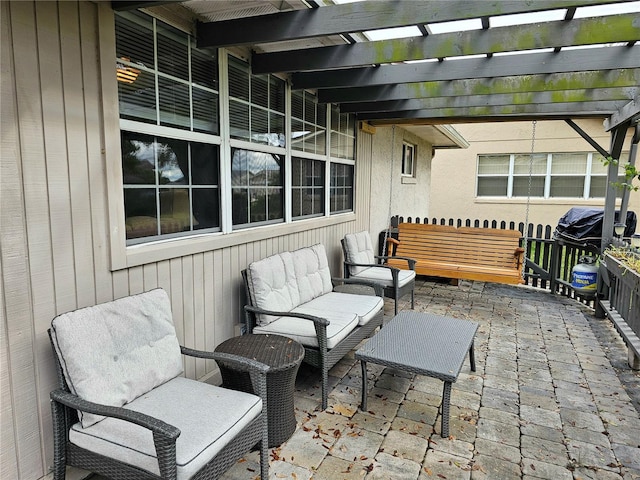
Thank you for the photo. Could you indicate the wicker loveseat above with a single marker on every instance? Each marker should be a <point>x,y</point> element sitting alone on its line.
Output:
<point>292,294</point>
<point>124,410</point>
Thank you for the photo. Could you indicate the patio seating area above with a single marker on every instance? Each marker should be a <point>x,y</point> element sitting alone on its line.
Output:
<point>552,398</point>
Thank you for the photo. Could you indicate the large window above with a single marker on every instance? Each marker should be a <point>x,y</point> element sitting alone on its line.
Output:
<point>205,151</point>
<point>544,175</point>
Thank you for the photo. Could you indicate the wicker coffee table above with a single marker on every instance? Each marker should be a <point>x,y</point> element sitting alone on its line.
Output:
<point>284,356</point>
<point>425,344</point>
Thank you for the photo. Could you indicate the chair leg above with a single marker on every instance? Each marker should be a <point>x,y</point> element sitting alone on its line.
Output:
<point>59,437</point>
<point>325,386</point>
<point>472,358</point>
<point>413,303</point>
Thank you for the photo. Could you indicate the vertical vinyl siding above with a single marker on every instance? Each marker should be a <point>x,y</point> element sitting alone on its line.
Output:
<point>57,122</point>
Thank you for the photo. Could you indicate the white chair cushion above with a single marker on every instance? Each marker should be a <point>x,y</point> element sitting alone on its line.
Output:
<point>207,416</point>
<point>304,332</point>
<point>273,285</point>
<point>364,306</point>
<point>114,352</point>
<point>382,276</point>
<point>359,249</point>
<point>312,272</point>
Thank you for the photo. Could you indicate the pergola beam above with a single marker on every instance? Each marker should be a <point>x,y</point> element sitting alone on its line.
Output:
<point>624,114</point>
<point>587,31</point>
<point>538,98</point>
<point>484,86</point>
<point>557,110</point>
<point>363,16</point>
<point>497,66</point>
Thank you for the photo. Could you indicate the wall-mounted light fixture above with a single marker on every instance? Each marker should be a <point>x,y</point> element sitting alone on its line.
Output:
<point>618,229</point>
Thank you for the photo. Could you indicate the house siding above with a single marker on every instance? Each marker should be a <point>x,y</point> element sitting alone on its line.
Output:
<point>57,121</point>
<point>507,138</point>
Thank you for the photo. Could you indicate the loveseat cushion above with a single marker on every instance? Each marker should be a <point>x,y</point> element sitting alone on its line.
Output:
<point>304,332</point>
<point>364,306</point>
<point>207,416</point>
<point>313,276</point>
<point>115,352</point>
<point>382,276</point>
<point>273,285</point>
<point>359,249</point>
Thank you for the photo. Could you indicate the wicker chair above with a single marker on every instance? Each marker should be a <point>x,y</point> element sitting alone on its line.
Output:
<point>177,429</point>
<point>361,263</point>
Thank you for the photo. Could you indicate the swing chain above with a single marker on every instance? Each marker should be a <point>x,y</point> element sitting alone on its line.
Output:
<point>526,219</point>
<point>388,230</point>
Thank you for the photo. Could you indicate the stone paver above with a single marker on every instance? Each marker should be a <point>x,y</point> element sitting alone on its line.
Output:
<point>552,398</point>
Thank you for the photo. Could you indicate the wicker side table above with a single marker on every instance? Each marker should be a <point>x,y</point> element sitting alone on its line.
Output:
<point>284,356</point>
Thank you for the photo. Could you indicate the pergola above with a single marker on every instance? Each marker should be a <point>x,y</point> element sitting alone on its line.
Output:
<point>571,64</point>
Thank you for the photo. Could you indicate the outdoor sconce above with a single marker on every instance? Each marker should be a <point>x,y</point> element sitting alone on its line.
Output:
<point>618,229</point>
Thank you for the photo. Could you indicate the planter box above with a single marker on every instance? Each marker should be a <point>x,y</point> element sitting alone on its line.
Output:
<point>623,304</point>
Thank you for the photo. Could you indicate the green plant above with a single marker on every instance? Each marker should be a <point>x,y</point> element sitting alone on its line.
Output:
<point>630,172</point>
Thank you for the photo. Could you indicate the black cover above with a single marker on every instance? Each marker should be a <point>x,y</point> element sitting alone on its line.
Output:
<point>584,225</point>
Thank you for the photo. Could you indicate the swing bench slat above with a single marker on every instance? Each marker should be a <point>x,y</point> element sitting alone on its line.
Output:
<point>483,254</point>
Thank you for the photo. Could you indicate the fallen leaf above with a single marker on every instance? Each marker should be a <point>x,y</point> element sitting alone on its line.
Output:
<point>441,475</point>
<point>428,471</point>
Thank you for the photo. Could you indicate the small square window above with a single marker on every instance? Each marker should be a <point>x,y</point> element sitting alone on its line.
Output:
<point>408,160</point>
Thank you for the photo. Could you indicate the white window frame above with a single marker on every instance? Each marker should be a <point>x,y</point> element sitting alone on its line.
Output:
<point>547,177</point>
<point>413,149</point>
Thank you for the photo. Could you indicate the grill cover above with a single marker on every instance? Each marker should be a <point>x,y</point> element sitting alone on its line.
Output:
<point>584,225</point>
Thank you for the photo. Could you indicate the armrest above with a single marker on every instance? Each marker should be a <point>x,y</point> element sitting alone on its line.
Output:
<point>393,241</point>
<point>150,423</point>
<point>241,364</point>
<point>356,281</point>
<point>304,316</point>
<point>410,261</point>
<point>519,254</point>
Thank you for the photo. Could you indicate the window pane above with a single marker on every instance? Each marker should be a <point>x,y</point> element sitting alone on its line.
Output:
<point>173,51</point>
<point>238,79</point>
<point>341,190</point>
<point>134,38</point>
<point>204,164</point>
<point>206,208</point>
<point>562,163</point>
<point>174,210</point>
<point>521,186</point>
<point>297,104</point>
<point>173,161</point>
<point>204,69</point>
<point>239,119</point>
<point>140,212</point>
<point>260,90</point>
<point>597,164</point>
<point>174,103</point>
<point>257,192</point>
<point>492,186</point>
<point>599,187</point>
<point>137,100</point>
<point>567,187</point>
<point>276,94</point>
<point>308,187</point>
<point>205,111</point>
<point>538,164</point>
<point>493,164</point>
<point>138,159</point>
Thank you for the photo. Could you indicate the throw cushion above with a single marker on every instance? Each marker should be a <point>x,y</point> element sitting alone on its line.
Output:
<point>207,416</point>
<point>359,249</point>
<point>312,272</point>
<point>114,352</point>
<point>272,285</point>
